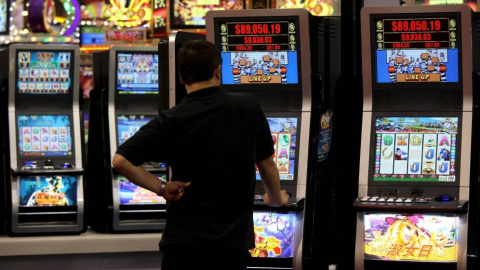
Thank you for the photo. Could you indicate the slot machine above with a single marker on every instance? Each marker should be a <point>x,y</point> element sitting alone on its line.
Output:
<point>43,176</point>
<point>127,98</point>
<point>264,54</point>
<point>167,50</point>
<point>414,180</point>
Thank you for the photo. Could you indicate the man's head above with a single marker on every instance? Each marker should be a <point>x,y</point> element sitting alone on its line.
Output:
<point>197,61</point>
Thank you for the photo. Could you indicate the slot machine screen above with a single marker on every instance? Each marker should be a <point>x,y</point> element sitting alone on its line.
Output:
<point>257,51</point>
<point>409,48</point>
<point>191,13</point>
<point>273,234</point>
<point>131,194</point>
<point>44,72</point>
<point>44,135</point>
<point>127,125</point>
<point>416,149</point>
<point>47,190</point>
<point>284,134</point>
<point>137,73</point>
<point>4,17</point>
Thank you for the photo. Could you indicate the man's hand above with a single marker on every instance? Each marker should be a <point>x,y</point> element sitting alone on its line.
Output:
<point>174,190</point>
<point>284,199</point>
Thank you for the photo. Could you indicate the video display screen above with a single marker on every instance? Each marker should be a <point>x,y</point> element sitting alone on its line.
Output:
<point>416,149</point>
<point>58,190</point>
<point>191,13</point>
<point>137,73</point>
<point>412,237</point>
<point>284,134</point>
<point>44,72</point>
<point>4,16</point>
<point>44,135</point>
<point>274,234</point>
<point>259,52</point>
<point>92,35</point>
<point>133,194</point>
<point>127,125</point>
<point>417,49</point>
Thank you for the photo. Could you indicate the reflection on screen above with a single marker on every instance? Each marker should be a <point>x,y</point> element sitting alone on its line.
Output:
<point>127,125</point>
<point>415,149</point>
<point>133,194</point>
<point>284,134</point>
<point>44,135</point>
<point>273,234</point>
<point>137,73</point>
<point>44,72</point>
<point>47,190</point>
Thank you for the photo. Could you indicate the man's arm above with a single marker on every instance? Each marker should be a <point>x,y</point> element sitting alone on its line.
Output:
<point>173,191</point>
<point>271,180</point>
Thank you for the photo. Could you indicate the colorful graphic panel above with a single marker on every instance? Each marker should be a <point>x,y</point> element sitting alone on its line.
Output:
<point>127,125</point>
<point>428,238</point>
<point>284,134</point>
<point>262,52</point>
<point>192,12</point>
<point>137,73</point>
<point>274,234</point>
<point>133,194</point>
<point>415,149</point>
<point>3,16</point>
<point>417,49</point>
<point>47,190</point>
<point>44,135</point>
<point>44,72</point>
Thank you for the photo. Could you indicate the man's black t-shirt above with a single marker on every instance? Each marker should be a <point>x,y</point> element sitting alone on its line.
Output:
<point>211,139</point>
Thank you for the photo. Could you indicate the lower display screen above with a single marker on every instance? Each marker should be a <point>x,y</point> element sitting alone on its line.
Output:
<point>415,237</point>
<point>273,234</point>
<point>47,190</point>
<point>133,194</point>
<point>284,134</point>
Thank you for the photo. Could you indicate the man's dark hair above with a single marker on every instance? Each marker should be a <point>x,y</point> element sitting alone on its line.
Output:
<point>197,60</point>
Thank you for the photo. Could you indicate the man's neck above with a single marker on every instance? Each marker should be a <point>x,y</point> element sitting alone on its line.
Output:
<point>200,85</point>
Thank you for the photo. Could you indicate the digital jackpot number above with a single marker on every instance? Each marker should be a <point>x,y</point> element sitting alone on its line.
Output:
<point>416,25</point>
<point>257,29</point>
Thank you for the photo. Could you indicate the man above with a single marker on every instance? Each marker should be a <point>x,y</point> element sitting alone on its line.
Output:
<point>212,141</point>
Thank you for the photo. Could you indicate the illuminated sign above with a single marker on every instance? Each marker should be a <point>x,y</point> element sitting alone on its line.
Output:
<point>129,13</point>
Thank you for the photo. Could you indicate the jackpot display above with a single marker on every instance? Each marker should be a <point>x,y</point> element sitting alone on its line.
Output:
<point>44,72</point>
<point>137,73</point>
<point>260,52</point>
<point>416,149</point>
<point>284,134</point>
<point>133,194</point>
<point>274,234</point>
<point>47,190</point>
<point>416,49</point>
<point>44,135</point>
<point>127,125</point>
<point>413,237</point>
<point>191,13</point>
